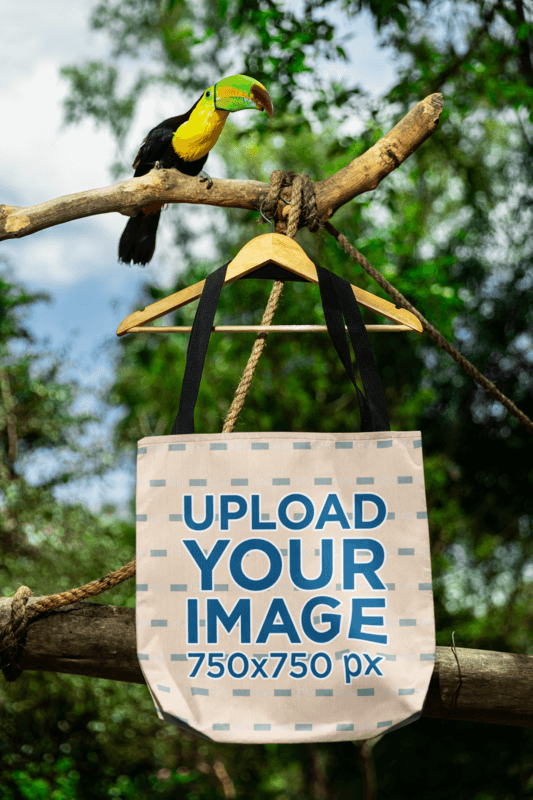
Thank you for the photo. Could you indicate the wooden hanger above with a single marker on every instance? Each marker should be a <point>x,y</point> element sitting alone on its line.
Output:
<point>268,248</point>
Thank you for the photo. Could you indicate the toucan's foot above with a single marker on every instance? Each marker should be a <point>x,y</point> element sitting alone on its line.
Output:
<point>203,176</point>
<point>157,165</point>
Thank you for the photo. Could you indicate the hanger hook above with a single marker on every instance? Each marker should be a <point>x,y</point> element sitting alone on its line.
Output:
<point>266,218</point>
<point>271,220</point>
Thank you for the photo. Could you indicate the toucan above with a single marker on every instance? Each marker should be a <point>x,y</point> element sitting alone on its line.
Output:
<point>183,143</point>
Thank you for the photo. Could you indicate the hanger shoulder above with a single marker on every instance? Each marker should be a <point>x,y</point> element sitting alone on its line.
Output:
<point>387,309</point>
<point>288,253</point>
<point>161,307</point>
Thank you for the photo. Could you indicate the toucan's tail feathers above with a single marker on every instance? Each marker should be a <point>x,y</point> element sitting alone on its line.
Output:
<point>137,243</point>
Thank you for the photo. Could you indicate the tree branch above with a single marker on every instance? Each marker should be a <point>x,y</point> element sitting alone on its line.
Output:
<point>170,186</point>
<point>100,641</point>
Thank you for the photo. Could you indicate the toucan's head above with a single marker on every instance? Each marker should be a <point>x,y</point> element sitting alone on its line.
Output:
<point>195,137</point>
<point>237,93</point>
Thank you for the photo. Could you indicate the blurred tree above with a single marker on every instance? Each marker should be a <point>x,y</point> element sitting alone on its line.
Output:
<point>40,451</point>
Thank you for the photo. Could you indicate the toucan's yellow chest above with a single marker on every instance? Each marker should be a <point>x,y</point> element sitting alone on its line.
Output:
<point>195,138</point>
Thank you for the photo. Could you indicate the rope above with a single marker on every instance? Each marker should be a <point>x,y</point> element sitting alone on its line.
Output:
<point>436,335</point>
<point>248,374</point>
<point>303,213</point>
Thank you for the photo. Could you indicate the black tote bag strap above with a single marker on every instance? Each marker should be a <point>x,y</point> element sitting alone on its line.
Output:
<point>338,301</point>
<point>335,325</point>
<point>197,349</point>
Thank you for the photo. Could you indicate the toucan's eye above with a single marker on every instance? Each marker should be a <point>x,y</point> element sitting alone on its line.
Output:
<point>208,94</point>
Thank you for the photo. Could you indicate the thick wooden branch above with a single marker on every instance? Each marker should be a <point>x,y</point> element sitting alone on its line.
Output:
<point>368,170</point>
<point>169,186</point>
<point>100,641</point>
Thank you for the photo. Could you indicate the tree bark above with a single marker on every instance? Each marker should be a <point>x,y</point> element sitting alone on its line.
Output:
<point>170,186</point>
<point>100,641</point>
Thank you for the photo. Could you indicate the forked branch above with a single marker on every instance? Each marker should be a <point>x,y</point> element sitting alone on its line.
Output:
<point>169,186</point>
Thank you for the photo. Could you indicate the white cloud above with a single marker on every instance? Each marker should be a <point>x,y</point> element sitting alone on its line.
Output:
<point>39,158</point>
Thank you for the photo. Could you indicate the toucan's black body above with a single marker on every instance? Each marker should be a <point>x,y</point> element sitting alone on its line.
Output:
<point>137,242</point>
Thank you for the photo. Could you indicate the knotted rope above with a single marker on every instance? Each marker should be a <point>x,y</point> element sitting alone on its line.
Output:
<point>13,634</point>
<point>303,213</point>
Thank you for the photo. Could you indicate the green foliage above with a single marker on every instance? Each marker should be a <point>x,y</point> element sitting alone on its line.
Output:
<point>94,94</point>
<point>45,544</point>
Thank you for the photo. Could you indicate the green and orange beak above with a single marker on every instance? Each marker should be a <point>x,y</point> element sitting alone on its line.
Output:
<point>239,92</point>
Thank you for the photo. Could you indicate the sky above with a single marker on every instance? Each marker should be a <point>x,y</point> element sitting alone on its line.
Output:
<point>41,158</point>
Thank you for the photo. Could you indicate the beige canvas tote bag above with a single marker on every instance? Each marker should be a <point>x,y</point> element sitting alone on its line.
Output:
<point>283,579</point>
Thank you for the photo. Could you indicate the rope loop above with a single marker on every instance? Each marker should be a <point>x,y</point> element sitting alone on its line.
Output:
<point>303,212</point>
<point>278,181</point>
<point>13,635</point>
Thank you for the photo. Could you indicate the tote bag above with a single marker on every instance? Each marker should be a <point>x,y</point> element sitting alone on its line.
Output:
<point>283,579</point>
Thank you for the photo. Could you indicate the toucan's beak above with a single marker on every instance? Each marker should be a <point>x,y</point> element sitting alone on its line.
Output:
<point>239,91</point>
